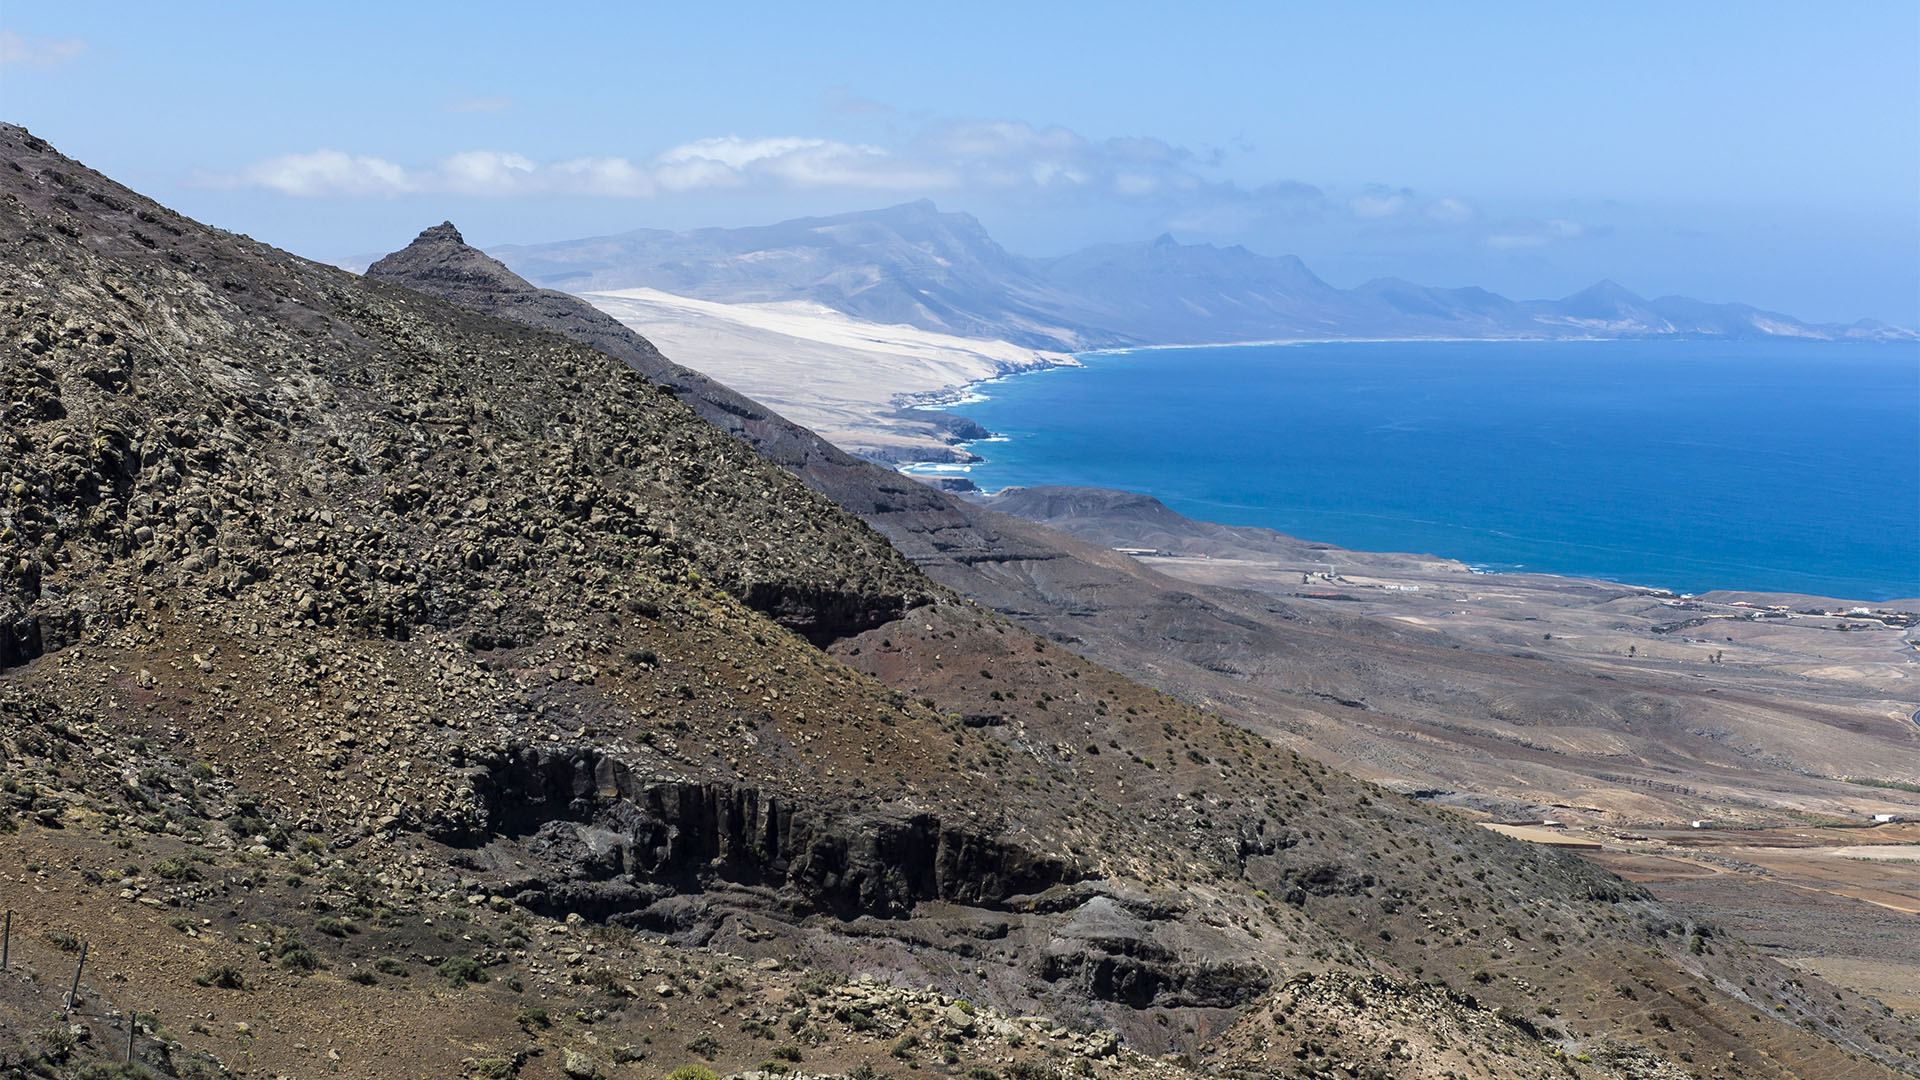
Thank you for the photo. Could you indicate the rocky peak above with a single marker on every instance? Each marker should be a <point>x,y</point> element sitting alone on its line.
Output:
<point>443,233</point>
<point>443,252</point>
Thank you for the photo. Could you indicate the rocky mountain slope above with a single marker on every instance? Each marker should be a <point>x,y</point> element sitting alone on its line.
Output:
<point>392,690</point>
<point>940,271</point>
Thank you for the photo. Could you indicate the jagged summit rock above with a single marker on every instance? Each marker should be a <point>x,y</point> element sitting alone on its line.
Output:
<point>443,232</point>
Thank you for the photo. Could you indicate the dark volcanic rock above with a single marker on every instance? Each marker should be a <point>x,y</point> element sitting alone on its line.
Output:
<point>607,833</point>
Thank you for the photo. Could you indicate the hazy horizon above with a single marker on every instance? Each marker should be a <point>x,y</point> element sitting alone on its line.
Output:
<point>1769,156</point>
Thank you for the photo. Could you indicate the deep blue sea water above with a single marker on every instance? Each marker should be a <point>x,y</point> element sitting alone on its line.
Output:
<point>1788,467</point>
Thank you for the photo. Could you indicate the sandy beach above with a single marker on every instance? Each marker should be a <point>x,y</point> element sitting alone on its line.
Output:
<point>846,379</point>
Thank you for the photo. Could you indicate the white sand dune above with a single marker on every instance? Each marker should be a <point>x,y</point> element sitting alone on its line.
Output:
<point>818,367</point>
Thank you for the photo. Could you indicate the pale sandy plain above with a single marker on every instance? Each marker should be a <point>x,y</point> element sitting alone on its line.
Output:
<point>843,378</point>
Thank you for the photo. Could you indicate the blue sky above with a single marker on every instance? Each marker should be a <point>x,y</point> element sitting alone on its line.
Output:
<point>1761,152</point>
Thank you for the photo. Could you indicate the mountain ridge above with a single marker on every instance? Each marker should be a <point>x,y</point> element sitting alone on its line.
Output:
<point>940,270</point>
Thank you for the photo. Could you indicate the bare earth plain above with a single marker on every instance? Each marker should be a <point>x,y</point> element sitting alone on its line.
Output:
<point>1739,775</point>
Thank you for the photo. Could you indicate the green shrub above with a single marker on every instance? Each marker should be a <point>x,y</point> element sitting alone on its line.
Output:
<point>222,978</point>
<point>176,870</point>
<point>819,982</point>
<point>462,969</point>
<point>299,959</point>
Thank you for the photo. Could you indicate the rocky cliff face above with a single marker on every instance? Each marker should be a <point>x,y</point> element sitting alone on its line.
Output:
<point>618,842</point>
<point>358,637</point>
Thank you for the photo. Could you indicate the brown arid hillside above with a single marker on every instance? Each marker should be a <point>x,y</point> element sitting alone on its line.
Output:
<point>388,690</point>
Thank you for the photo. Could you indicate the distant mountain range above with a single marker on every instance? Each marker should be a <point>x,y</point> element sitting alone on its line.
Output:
<point>939,271</point>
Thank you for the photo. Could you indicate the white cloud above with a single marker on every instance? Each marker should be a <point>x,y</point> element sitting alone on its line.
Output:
<point>39,52</point>
<point>735,153</point>
<point>1450,211</point>
<point>1002,154</point>
<point>722,163</point>
<point>327,172</point>
<point>485,172</point>
<point>1376,204</point>
<point>614,177</point>
<point>791,163</point>
<point>998,140</point>
<point>1531,234</point>
<point>954,155</point>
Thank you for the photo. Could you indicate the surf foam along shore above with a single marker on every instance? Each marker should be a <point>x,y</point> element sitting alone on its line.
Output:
<point>853,382</point>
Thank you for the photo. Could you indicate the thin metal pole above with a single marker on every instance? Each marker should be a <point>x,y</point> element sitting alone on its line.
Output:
<point>133,1024</point>
<point>6,941</point>
<point>73,995</point>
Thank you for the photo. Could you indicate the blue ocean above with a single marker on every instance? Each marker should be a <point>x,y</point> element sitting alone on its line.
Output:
<point>1688,465</point>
